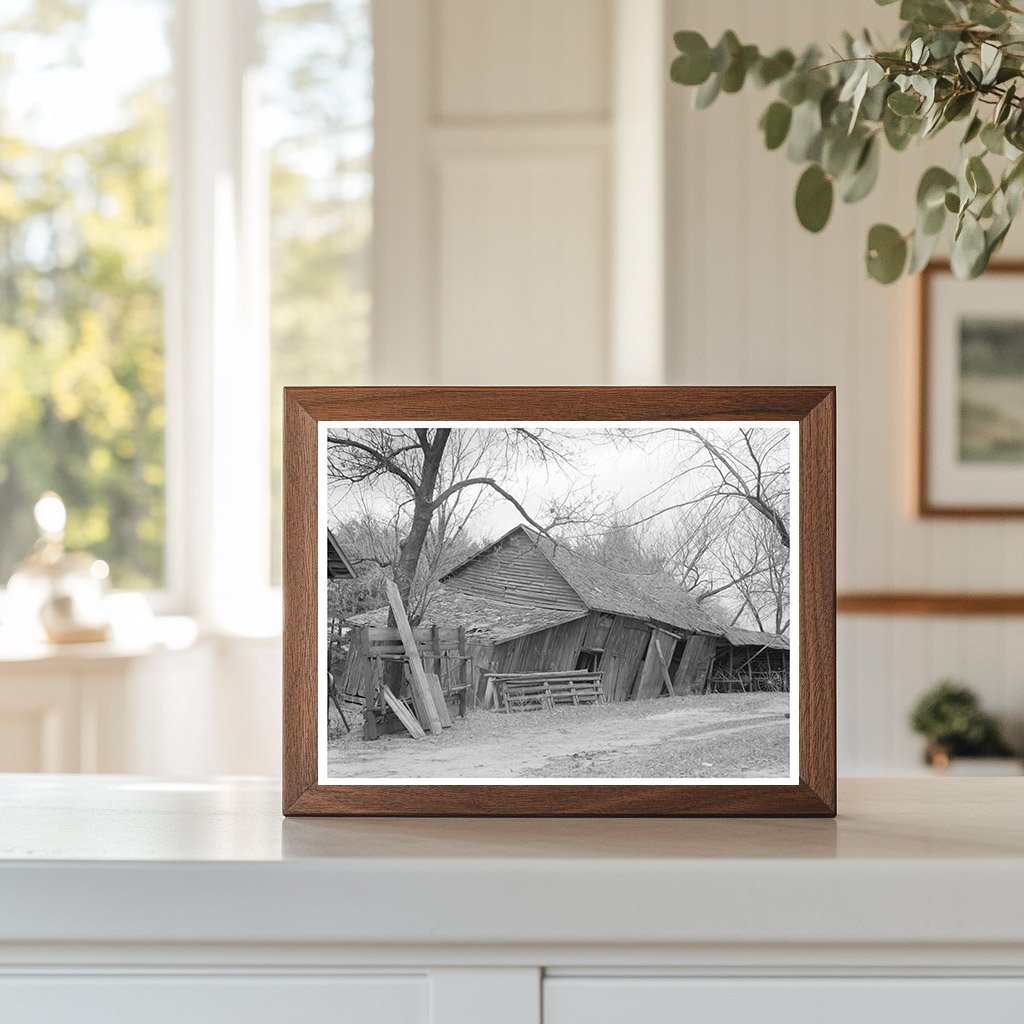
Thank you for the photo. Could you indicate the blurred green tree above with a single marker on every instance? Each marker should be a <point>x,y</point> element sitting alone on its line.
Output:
<point>83,216</point>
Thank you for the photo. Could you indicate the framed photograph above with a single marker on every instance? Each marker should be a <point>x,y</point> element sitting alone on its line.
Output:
<point>970,451</point>
<point>559,601</point>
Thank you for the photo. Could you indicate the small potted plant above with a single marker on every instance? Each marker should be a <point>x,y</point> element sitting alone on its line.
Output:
<point>950,718</point>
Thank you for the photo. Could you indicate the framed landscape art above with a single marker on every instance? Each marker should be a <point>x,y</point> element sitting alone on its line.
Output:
<point>559,601</point>
<point>970,451</point>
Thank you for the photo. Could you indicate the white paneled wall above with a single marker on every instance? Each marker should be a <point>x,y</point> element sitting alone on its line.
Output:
<point>753,299</point>
<point>505,132</point>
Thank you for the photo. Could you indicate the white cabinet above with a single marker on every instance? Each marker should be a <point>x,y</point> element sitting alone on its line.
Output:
<point>202,999</point>
<point>828,1000</point>
<point>130,899</point>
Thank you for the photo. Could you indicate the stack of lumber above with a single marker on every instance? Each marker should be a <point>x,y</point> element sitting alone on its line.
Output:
<point>530,691</point>
<point>428,700</point>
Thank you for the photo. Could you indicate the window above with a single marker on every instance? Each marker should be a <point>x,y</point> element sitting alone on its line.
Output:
<point>83,236</point>
<point>317,117</point>
<point>237,212</point>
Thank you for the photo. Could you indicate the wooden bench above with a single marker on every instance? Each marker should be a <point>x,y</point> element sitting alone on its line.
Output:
<point>531,691</point>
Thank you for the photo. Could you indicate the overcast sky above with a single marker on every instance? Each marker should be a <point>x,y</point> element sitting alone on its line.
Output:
<point>621,474</point>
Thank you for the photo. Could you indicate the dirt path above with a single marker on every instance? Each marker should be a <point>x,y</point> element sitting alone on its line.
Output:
<point>714,736</point>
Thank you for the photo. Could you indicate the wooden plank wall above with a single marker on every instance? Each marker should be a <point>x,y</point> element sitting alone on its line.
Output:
<point>549,650</point>
<point>624,650</point>
<point>698,654</point>
<point>651,681</point>
<point>517,573</point>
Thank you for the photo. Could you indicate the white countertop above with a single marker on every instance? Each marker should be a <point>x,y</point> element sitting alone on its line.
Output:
<point>120,859</point>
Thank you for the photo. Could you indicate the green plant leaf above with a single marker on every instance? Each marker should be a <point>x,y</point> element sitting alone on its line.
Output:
<point>993,138</point>
<point>931,191</point>
<point>987,15</point>
<point>978,176</point>
<point>735,74</point>
<point>865,173</point>
<point>1005,105</point>
<point>839,151</point>
<point>693,65</point>
<point>707,93</point>
<point>805,133</point>
<point>794,89</point>
<point>900,130</point>
<point>725,49</point>
<point>973,130</point>
<point>814,195</point>
<point>886,254</point>
<point>968,256</point>
<point>904,103</point>
<point>771,69</point>
<point>922,247</point>
<point>931,221</point>
<point>775,124</point>
<point>958,106</point>
<point>991,57</point>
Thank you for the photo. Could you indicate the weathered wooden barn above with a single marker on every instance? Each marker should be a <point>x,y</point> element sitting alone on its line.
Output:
<point>529,605</point>
<point>747,660</point>
<point>339,567</point>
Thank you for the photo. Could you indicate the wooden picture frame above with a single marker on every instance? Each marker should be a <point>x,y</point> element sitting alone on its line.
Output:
<point>934,476</point>
<point>810,790</point>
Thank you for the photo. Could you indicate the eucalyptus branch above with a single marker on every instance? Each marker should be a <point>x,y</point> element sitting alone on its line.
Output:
<point>956,61</point>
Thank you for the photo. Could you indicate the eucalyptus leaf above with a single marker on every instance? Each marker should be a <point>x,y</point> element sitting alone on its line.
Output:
<point>958,105</point>
<point>814,196</point>
<point>993,138</point>
<point>987,15</point>
<point>865,174</point>
<point>805,133</point>
<point>775,124</point>
<point>689,70</point>
<point>771,69</point>
<point>969,252</point>
<point>903,103</point>
<point>973,130</point>
<point>922,248</point>
<point>1005,105</point>
<point>978,176</point>
<point>724,51</point>
<point>931,190</point>
<point>707,93</point>
<point>735,74</point>
<point>991,60</point>
<point>886,253</point>
<point>840,152</point>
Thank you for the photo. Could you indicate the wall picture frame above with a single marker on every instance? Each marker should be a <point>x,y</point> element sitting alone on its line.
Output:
<point>970,385</point>
<point>494,602</point>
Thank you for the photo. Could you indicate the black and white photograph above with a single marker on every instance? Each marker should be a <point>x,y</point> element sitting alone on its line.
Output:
<point>557,602</point>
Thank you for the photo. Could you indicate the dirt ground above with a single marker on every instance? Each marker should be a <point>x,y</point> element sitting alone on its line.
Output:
<point>731,735</point>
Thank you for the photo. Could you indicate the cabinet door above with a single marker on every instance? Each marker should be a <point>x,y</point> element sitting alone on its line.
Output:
<point>783,1001</point>
<point>206,999</point>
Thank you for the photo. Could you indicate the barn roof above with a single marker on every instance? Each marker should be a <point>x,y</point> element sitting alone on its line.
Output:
<point>653,596</point>
<point>338,565</point>
<point>485,620</point>
<point>639,595</point>
<point>753,638</point>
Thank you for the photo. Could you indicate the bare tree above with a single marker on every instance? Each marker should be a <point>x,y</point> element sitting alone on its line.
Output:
<point>723,517</point>
<point>435,476</point>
